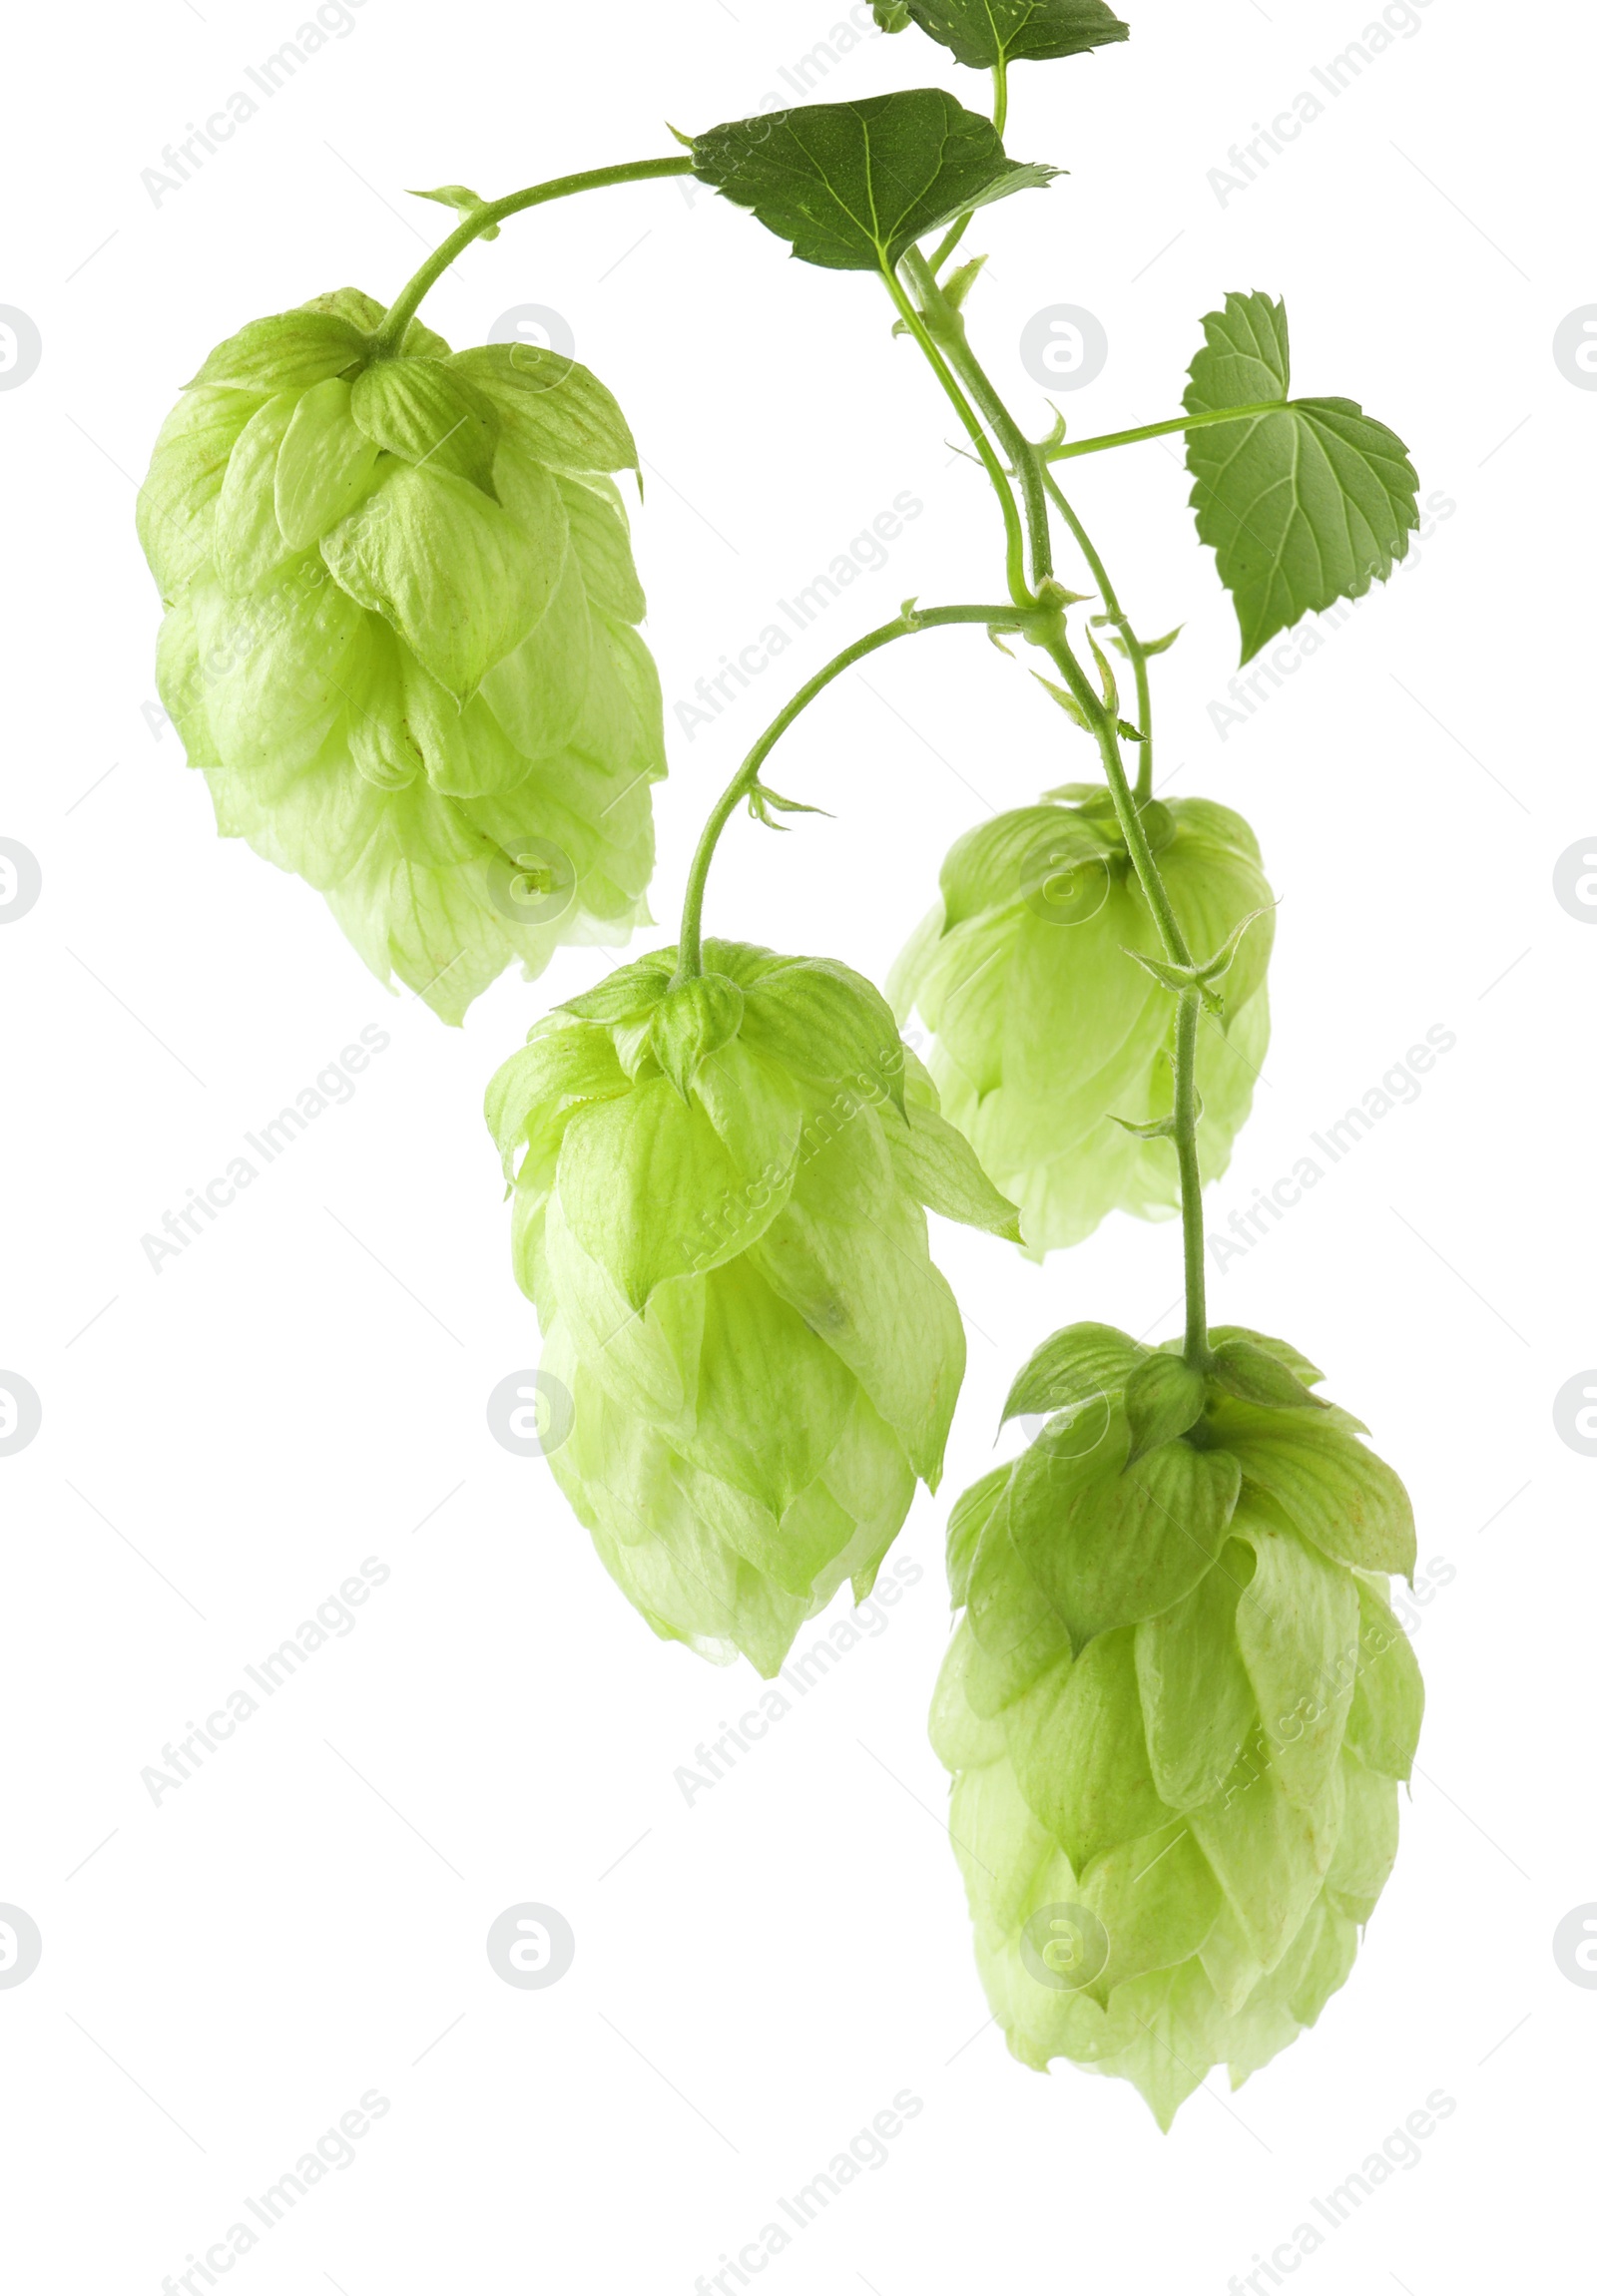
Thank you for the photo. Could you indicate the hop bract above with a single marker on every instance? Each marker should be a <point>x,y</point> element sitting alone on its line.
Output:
<point>719,1191</point>
<point>1047,1030</point>
<point>1176,1709</point>
<point>398,636</point>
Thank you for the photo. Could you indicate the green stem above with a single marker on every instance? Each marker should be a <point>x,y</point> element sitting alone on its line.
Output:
<point>403,309</point>
<point>1000,113</point>
<point>1037,483</point>
<point>1030,468</point>
<point>1188,1015</point>
<point>1015,547</point>
<point>1127,811</point>
<point>1067,449</point>
<point>948,329</point>
<point>1188,1011</point>
<point>1134,647</point>
<point>690,951</point>
<point>955,365</point>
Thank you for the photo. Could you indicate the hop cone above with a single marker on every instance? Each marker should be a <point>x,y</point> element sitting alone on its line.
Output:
<point>1046,1030</point>
<point>398,636</point>
<point>1176,1709</point>
<point>719,1191</point>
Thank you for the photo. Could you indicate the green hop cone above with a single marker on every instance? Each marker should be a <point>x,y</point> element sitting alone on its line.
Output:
<point>1047,1030</point>
<point>398,636</point>
<point>719,1191</point>
<point>1177,1708</point>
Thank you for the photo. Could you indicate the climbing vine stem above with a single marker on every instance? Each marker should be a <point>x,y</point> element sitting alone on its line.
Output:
<point>745,781</point>
<point>407,302</point>
<point>942,337</point>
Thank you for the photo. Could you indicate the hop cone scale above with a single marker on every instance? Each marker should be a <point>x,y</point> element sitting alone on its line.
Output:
<point>398,636</point>
<point>719,1192</point>
<point>1047,1030</point>
<point>1176,1709</point>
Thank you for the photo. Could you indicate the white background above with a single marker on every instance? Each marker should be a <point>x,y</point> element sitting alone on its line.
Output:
<point>224,1440</point>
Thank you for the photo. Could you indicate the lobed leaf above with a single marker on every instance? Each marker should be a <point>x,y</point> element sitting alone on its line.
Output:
<point>1307,502</point>
<point>852,187</point>
<point>986,33</point>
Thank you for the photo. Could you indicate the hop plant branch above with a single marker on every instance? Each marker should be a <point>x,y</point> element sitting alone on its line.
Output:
<point>483,221</point>
<point>908,622</point>
<point>946,324</point>
<point>932,350</point>
<point>1000,116</point>
<point>940,330</point>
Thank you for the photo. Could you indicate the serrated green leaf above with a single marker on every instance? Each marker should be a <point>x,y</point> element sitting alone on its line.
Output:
<point>852,187</point>
<point>1075,1365</point>
<point>986,33</point>
<point>1306,503</point>
<point>1164,1396</point>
